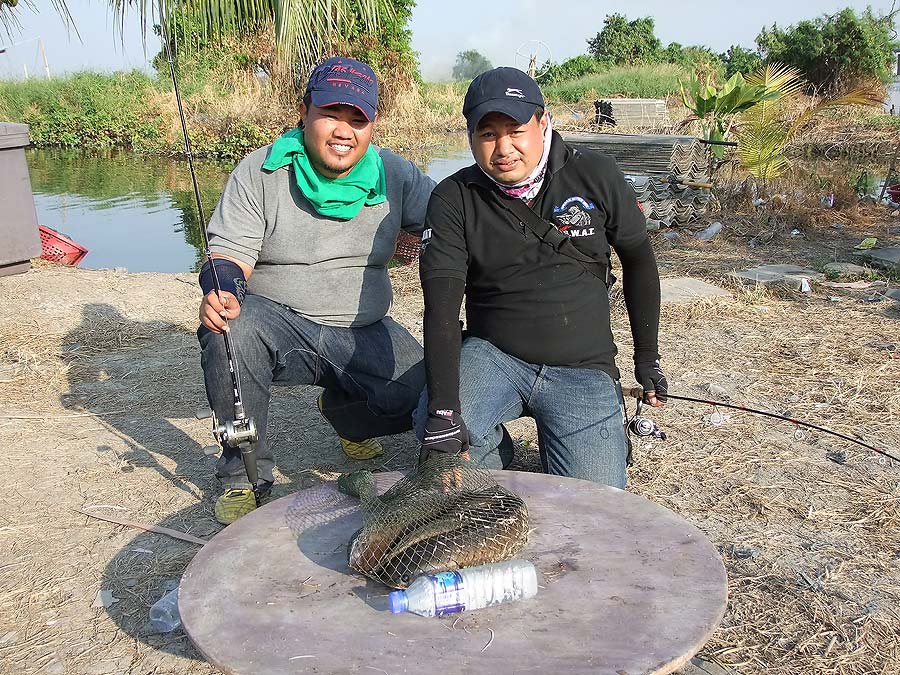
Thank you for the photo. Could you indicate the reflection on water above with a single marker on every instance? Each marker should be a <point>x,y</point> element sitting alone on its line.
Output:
<point>139,212</point>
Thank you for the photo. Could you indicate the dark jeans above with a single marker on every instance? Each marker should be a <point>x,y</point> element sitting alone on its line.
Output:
<point>372,376</point>
<point>579,413</point>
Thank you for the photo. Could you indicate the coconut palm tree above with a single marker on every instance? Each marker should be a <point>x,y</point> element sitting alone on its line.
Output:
<point>765,130</point>
<point>305,30</point>
<point>9,9</point>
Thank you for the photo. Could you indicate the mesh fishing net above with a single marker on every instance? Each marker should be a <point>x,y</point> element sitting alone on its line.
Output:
<point>445,515</point>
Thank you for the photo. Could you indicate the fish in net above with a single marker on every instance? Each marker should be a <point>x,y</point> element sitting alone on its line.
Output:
<point>446,515</point>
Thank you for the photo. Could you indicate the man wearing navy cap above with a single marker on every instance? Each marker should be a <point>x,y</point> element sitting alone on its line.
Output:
<point>301,240</point>
<point>526,235</point>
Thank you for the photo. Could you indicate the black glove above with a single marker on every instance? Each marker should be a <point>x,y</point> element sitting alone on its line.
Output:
<point>445,431</point>
<point>651,377</point>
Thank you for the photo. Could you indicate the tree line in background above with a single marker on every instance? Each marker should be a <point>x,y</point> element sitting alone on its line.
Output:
<point>831,51</point>
<point>243,62</point>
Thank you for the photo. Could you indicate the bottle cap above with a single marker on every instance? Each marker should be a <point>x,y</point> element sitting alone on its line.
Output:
<point>398,602</point>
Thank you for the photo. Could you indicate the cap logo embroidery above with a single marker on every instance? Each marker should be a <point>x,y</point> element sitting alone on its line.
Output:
<point>511,91</point>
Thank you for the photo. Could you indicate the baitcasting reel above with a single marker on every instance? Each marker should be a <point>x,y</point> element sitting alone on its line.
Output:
<point>234,433</point>
<point>240,433</point>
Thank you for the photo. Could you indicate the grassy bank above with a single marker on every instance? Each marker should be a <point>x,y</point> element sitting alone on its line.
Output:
<point>138,111</point>
<point>86,109</point>
<point>653,81</point>
<point>135,110</point>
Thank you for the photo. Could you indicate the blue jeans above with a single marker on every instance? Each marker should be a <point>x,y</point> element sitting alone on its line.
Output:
<point>579,413</point>
<point>372,375</point>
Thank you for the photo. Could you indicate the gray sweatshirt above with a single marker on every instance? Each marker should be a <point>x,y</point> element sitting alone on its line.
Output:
<point>331,271</point>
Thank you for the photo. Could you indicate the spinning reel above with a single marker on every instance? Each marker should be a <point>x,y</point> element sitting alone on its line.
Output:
<point>642,427</point>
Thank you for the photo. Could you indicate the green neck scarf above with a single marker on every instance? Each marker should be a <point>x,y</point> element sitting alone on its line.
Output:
<point>341,198</point>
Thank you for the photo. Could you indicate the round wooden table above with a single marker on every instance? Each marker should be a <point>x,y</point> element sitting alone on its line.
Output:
<point>626,587</point>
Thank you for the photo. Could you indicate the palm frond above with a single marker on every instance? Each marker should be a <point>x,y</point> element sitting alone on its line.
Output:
<point>305,31</point>
<point>765,128</point>
<point>761,149</point>
<point>779,80</point>
<point>870,96</point>
<point>10,21</point>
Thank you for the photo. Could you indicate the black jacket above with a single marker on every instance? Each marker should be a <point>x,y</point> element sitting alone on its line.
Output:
<point>527,299</point>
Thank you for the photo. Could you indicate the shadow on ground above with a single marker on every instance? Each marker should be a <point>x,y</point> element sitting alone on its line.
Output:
<point>143,383</point>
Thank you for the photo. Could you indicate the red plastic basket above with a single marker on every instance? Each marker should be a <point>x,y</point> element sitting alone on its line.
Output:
<point>59,248</point>
<point>407,247</point>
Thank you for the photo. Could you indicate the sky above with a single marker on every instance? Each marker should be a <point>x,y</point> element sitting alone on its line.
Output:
<point>440,30</point>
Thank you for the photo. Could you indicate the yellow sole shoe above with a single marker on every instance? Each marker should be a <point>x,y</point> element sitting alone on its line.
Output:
<point>233,504</point>
<point>369,448</point>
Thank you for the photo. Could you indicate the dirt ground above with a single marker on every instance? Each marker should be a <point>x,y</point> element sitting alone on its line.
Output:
<point>100,380</point>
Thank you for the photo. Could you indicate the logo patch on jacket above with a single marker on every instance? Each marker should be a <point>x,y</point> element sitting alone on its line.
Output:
<point>574,217</point>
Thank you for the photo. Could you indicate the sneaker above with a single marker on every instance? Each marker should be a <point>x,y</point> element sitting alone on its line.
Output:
<point>237,502</point>
<point>368,448</point>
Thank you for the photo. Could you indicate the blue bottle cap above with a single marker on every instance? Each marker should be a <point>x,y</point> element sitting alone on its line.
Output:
<point>398,601</point>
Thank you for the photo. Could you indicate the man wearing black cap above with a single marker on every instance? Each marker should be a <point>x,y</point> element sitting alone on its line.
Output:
<point>301,240</point>
<point>525,234</point>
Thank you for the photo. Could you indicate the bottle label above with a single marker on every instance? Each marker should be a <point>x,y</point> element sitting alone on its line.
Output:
<point>449,594</point>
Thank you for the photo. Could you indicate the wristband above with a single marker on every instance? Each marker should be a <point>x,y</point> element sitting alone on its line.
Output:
<point>230,275</point>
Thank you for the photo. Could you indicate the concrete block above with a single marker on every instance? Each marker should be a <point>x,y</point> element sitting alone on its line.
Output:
<point>791,276</point>
<point>885,258</point>
<point>845,269</point>
<point>684,290</point>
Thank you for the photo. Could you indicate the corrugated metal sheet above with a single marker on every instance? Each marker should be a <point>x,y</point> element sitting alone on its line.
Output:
<point>650,162</point>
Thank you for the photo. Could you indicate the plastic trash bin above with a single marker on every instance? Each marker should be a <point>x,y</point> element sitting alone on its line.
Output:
<point>19,237</point>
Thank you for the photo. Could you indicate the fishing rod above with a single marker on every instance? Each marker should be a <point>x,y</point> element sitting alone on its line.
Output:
<point>641,426</point>
<point>241,432</point>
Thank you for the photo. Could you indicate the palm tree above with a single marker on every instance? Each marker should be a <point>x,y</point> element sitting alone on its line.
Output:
<point>765,130</point>
<point>305,30</point>
<point>9,8</point>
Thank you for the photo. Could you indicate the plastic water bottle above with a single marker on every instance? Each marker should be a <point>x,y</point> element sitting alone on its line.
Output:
<point>466,589</point>
<point>164,616</point>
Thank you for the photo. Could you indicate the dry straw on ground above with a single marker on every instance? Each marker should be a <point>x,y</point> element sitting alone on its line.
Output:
<point>99,378</point>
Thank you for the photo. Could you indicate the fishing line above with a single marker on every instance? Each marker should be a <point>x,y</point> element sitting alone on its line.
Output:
<point>637,393</point>
<point>241,432</point>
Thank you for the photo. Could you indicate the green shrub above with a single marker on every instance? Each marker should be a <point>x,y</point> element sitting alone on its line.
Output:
<point>624,42</point>
<point>469,64</point>
<point>740,60</point>
<point>570,69</point>
<point>89,110</point>
<point>701,59</point>
<point>838,50</point>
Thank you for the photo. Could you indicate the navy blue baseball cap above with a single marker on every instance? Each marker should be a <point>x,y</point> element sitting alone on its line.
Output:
<point>341,80</point>
<point>505,90</point>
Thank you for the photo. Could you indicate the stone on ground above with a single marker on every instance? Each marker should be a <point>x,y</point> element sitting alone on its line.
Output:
<point>885,258</point>
<point>845,269</point>
<point>791,276</point>
<point>683,290</point>
<point>700,666</point>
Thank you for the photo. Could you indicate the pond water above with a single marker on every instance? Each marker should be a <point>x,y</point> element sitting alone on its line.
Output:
<point>139,212</point>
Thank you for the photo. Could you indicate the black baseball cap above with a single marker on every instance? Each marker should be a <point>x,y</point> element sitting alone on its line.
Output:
<point>341,80</point>
<point>505,90</point>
